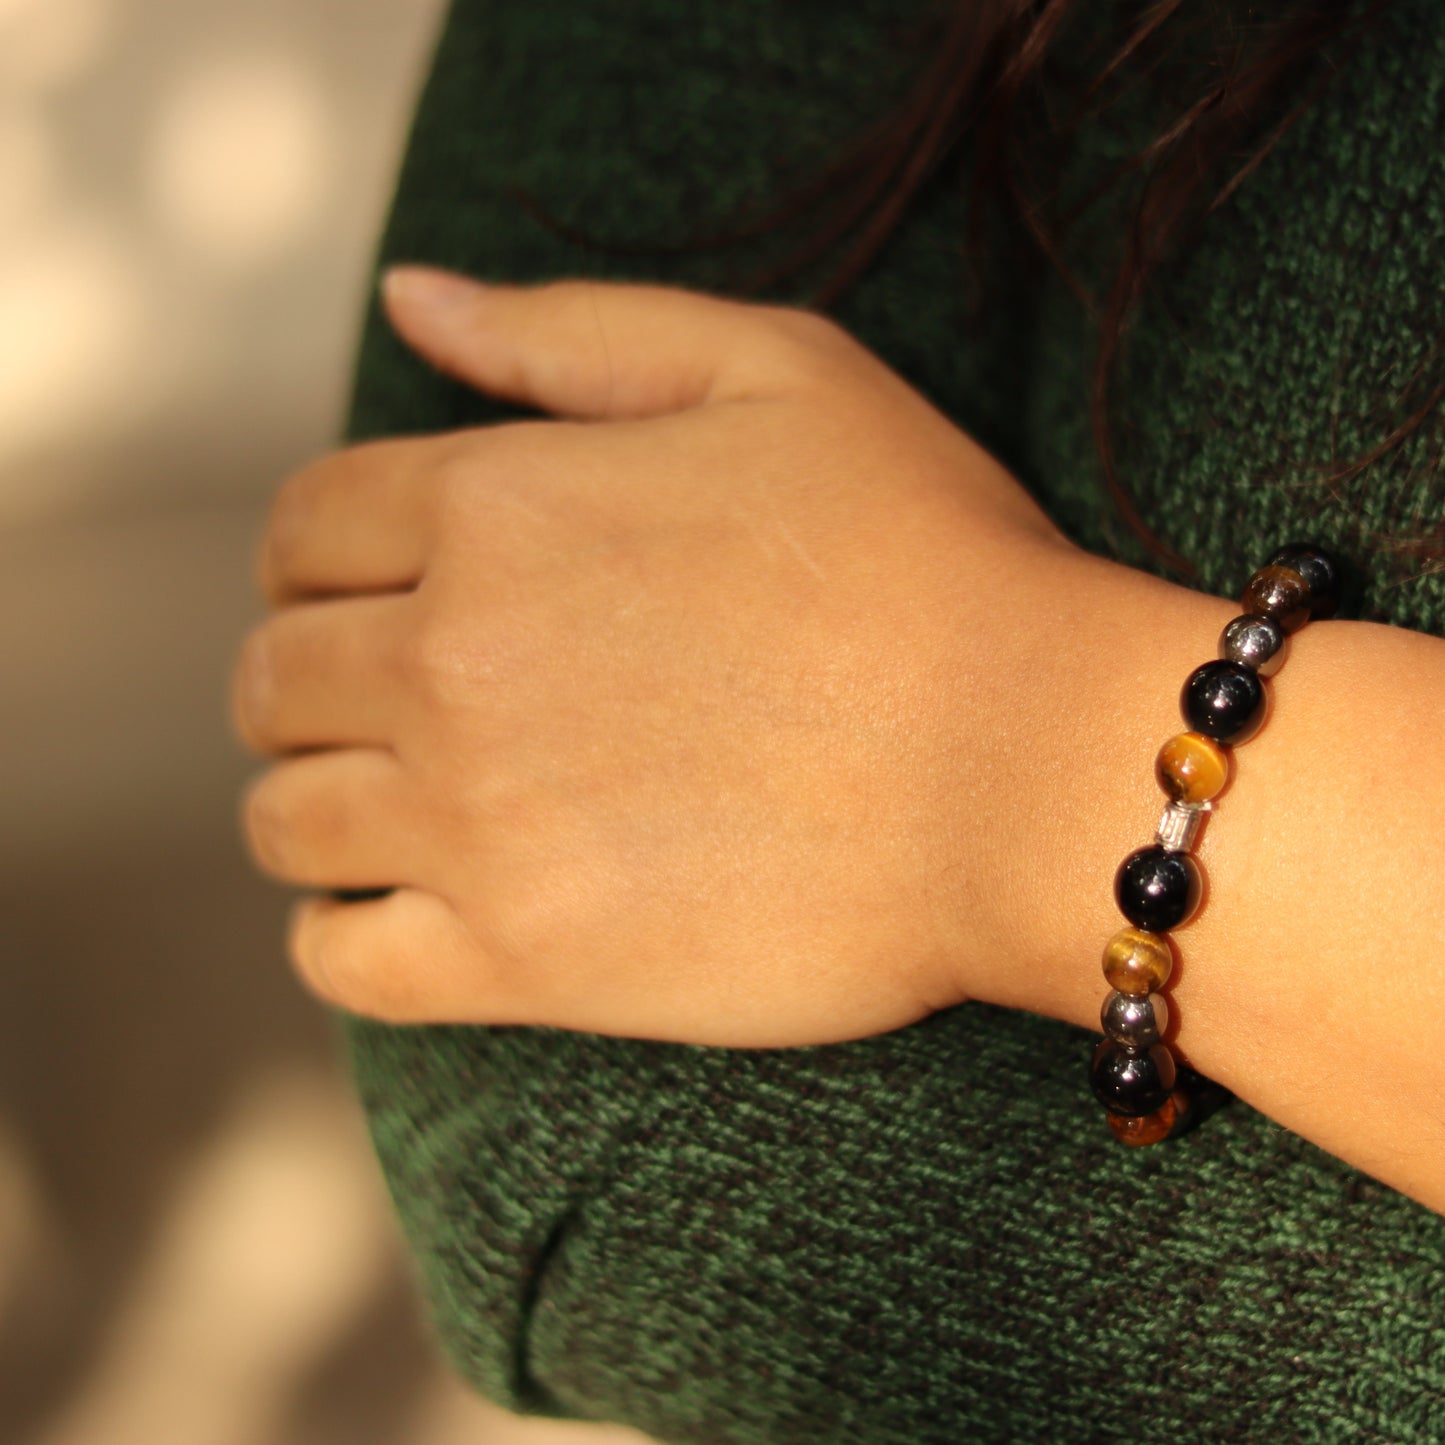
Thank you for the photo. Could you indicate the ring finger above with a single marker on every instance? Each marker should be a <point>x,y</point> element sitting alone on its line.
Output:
<point>342,819</point>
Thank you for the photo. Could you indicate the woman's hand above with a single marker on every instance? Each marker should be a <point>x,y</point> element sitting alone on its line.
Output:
<point>685,717</point>
<point>756,705</point>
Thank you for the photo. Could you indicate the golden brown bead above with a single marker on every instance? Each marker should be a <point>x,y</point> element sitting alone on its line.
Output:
<point>1137,961</point>
<point>1191,768</point>
<point>1150,1128</point>
<point>1281,593</point>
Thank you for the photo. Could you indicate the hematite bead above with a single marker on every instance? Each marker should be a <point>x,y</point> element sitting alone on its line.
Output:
<point>1191,768</point>
<point>1137,962</point>
<point>1157,889</point>
<point>1151,1128</point>
<point>1131,1081</point>
<point>1257,642</point>
<point>1136,1020</point>
<point>1320,571</point>
<point>1278,592</point>
<point>1224,701</point>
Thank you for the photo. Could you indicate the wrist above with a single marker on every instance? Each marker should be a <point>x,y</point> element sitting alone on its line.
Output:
<point>1083,793</point>
<point>1303,981</point>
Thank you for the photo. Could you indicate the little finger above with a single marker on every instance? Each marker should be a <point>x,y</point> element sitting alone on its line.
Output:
<point>405,958</point>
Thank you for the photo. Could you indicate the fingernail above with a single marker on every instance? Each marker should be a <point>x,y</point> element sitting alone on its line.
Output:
<point>426,286</point>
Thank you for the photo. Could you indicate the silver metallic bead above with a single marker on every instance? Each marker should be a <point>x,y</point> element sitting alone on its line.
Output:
<point>1257,642</point>
<point>1179,826</point>
<point>1136,1020</point>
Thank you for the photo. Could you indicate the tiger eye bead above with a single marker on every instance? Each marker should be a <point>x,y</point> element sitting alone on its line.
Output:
<point>1132,1081</point>
<point>1320,571</point>
<point>1136,961</point>
<point>1150,1128</point>
<point>1157,889</point>
<point>1224,701</point>
<point>1281,593</point>
<point>1191,768</point>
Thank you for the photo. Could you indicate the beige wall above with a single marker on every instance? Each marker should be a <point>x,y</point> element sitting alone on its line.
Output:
<point>194,1246</point>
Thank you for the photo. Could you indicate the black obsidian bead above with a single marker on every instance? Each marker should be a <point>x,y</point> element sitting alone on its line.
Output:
<point>1132,1082</point>
<point>1320,571</point>
<point>1157,888</point>
<point>1223,700</point>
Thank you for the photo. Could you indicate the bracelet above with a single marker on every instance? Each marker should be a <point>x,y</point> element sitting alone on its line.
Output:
<point>1157,888</point>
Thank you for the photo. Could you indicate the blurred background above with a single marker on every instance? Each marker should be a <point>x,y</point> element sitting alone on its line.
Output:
<point>195,1243</point>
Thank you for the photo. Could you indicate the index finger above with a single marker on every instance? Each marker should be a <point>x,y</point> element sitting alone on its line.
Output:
<point>360,519</point>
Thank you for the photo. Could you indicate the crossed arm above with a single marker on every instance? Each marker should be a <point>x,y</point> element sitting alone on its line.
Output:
<point>747,701</point>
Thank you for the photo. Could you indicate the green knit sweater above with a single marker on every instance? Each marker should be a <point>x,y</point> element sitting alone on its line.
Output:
<point>929,1236</point>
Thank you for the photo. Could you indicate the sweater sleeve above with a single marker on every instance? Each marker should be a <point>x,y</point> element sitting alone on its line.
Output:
<point>916,1238</point>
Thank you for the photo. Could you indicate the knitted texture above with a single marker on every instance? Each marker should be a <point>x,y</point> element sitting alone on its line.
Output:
<point>929,1236</point>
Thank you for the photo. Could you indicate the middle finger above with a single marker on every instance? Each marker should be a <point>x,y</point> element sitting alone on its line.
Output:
<point>323,674</point>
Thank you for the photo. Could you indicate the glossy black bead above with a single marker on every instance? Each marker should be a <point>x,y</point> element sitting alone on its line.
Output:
<point>1157,889</point>
<point>1224,700</point>
<point>1319,569</point>
<point>1131,1082</point>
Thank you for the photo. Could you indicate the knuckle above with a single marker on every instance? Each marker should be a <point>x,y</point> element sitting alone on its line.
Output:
<point>301,504</point>
<point>474,476</point>
<point>568,297</point>
<point>443,665</point>
<point>523,924</point>
<point>810,330</point>
<point>266,825</point>
<point>580,311</point>
<point>293,830</point>
<point>387,994</point>
<point>285,527</point>
<point>455,480</point>
<point>253,689</point>
<point>432,658</point>
<point>538,910</point>
<point>332,971</point>
<point>562,289</point>
<point>579,372</point>
<point>322,827</point>
<point>338,969</point>
<point>321,959</point>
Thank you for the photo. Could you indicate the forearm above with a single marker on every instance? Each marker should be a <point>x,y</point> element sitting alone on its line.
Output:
<point>1311,980</point>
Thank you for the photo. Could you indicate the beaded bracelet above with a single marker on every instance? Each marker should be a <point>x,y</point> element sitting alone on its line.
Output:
<point>1157,888</point>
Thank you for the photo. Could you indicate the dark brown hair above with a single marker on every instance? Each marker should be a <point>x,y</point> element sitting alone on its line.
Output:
<point>1003,95</point>
<point>1239,77</point>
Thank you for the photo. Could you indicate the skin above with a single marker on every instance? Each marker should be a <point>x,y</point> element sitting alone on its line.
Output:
<point>744,700</point>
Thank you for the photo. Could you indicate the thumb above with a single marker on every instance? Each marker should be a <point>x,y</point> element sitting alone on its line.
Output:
<point>585,348</point>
